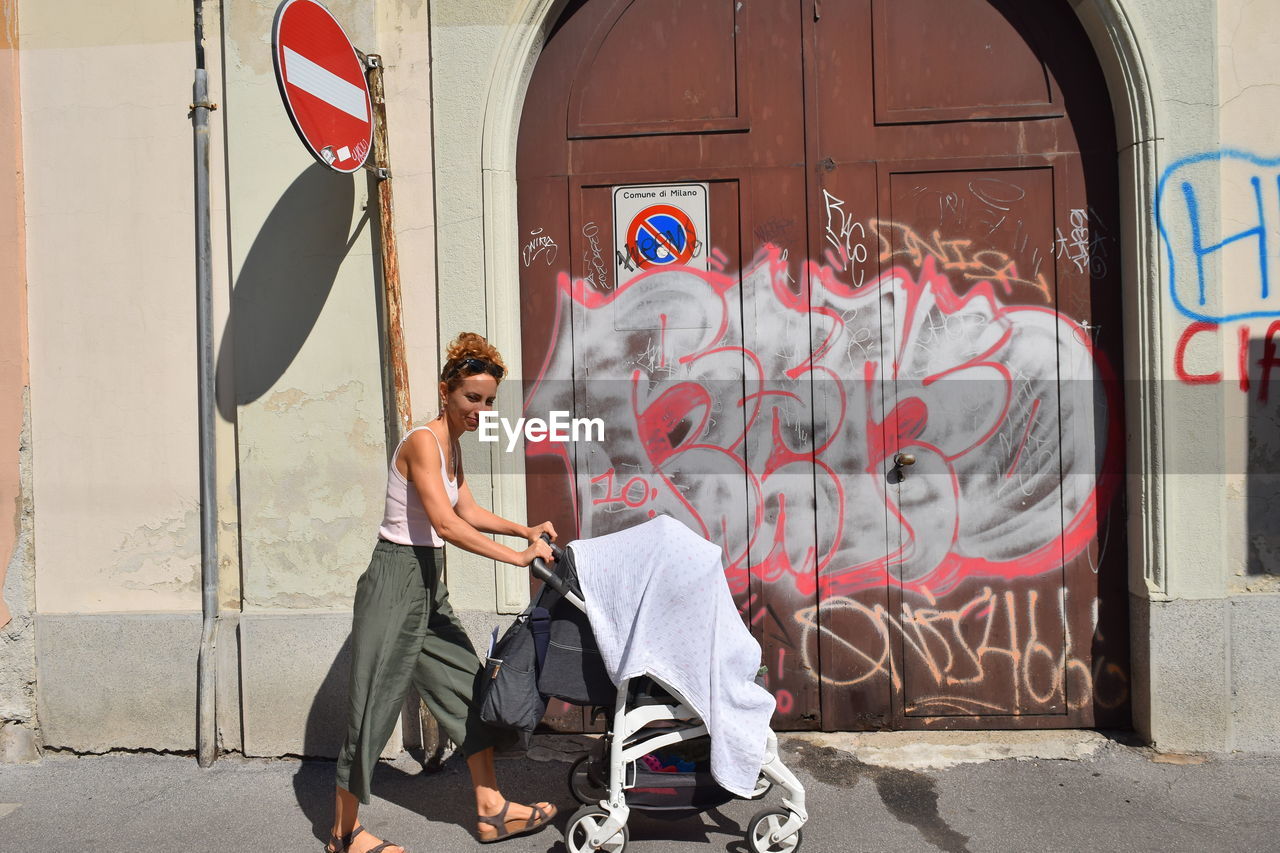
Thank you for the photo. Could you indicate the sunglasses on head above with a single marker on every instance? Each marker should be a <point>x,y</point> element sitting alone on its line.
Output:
<point>474,366</point>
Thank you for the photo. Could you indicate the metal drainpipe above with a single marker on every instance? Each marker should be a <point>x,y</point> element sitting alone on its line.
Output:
<point>206,669</point>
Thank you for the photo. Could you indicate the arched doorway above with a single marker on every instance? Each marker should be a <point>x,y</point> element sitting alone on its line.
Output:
<point>841,279</point>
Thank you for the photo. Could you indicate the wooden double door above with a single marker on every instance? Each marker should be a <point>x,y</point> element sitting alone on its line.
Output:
<point>871,353</point>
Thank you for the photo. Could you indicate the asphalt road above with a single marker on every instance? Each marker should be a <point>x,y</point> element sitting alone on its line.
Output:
<point>1121,798</point>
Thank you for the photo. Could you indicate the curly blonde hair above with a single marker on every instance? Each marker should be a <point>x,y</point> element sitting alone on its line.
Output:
<point>470,345</point>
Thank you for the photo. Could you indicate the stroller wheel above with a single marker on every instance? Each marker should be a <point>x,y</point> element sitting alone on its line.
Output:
<point>762,828</point>
<point>583,824</point>
<point>585,789</point>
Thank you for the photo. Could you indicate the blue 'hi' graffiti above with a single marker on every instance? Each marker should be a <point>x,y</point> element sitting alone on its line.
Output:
<point>1180,217</point>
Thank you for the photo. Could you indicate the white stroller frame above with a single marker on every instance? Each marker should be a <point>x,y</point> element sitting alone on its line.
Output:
<point>603,827</point>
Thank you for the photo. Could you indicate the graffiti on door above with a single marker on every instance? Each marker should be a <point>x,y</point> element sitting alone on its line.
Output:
<point>993,635</point>
<point>786,390</point>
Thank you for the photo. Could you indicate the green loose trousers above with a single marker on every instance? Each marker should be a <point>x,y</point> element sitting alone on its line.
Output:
<point>403,634</point>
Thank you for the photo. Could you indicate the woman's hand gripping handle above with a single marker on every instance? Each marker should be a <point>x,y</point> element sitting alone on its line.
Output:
<point>539,566</point>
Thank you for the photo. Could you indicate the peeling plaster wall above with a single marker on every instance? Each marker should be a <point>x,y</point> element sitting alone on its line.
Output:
<point>19,732</point>
<point>312,486</point>
<point>303,330</point>
<point>13,291</point>
<point>19,725</point>
<point>111,320</point>
<point>109,212</point>
<point>300,434</point>
<point>110,259</point>
<point>301,365</point>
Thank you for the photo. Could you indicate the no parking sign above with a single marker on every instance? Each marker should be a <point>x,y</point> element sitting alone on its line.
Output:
<point>659,226</point>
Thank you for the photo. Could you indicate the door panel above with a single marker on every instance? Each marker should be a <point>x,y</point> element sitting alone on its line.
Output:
<point>778,449</point>
<point>655,371</point>
<point>850,491</point>
<point>704,89</point>
<point>975,393</point>
<point>983,377</point>
<point>911,251</point>
<point>955,61</point>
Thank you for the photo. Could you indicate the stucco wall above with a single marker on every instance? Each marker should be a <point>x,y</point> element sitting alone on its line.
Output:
<point>404,41</point>
<point>476,65</point>
<point>109,211</point>
<point>106,148</point>
<point>109,262</point>
<point>304,353</point>
<point>1177,42</point>
<point>1248,37</point>
<point>1249,89</point>
<point>1204,673</point>
<point>303,337</point>
<point>300,432</point>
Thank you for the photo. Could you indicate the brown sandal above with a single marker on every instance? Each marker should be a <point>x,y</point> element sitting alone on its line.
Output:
<point>500,826</point>
<point>340,844</point>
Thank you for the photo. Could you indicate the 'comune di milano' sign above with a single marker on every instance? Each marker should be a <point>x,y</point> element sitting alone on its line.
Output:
<point>659,226</point>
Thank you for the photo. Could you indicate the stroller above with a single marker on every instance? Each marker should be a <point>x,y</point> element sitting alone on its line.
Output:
<point>648,717</point>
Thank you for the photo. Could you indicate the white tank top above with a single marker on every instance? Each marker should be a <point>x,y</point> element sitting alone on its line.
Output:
<point>404,521</point>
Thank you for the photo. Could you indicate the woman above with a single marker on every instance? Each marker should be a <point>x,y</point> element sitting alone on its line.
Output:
<point>404,632</point>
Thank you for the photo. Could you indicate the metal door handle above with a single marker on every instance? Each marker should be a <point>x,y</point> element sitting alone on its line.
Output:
<point>901,461</point>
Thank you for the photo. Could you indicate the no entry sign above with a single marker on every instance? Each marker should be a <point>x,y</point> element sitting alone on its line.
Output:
<point>322,82</point>
<point>661,226</point>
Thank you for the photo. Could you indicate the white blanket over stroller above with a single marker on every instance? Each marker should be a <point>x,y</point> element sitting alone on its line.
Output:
<point>659,605</point>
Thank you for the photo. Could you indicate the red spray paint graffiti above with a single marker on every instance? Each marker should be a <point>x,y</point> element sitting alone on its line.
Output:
<point>998,403</point>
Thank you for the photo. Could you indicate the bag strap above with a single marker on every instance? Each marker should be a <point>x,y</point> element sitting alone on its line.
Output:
<point>540,625</point>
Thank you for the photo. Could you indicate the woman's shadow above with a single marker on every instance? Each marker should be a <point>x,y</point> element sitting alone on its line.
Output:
<point>401,782</point>
<point>442,794</point>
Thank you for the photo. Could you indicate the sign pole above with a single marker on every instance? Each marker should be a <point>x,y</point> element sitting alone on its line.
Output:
<point>401,412</point>
<point>396,375</point>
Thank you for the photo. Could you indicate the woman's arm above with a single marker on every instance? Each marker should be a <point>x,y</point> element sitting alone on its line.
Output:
<point>481,519</point>
<point>489,522</point>
<point>421,456</point>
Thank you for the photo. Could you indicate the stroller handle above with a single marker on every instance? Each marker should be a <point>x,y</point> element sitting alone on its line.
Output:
<point>545,573</point>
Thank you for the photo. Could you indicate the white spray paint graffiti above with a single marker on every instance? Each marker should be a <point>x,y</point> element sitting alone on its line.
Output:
<point>848,252</point>
<point>732,435</point>
<point>539,244</point>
